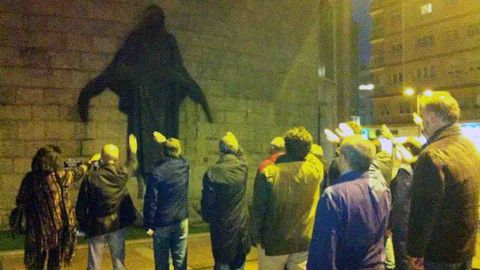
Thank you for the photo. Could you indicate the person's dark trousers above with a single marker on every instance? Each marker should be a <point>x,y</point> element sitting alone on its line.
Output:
<point>448,266</point>
<point>237,264</point>
<point>53,260</point>
<point>172,239</point>
<point>400,250</point>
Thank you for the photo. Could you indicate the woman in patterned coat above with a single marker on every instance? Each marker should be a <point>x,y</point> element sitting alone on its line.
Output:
<point>49,214</point>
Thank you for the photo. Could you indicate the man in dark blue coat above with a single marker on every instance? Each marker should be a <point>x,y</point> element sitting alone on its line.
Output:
<point>352,215</point>
<point>166,207</point>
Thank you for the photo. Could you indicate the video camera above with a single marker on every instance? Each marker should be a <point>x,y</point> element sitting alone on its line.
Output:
<point>72,163</point>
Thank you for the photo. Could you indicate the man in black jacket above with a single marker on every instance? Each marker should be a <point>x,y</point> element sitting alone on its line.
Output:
<point>445,189</point>
<point>224,205</point>
<point>166,207</point>
<point>104,207</point>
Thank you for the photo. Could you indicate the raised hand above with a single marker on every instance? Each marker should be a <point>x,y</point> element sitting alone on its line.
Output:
<point>331,137</point>
<point>346,130</point>
<point>386,132</point>
<point>417,119</point>
<point>94,158</point>
<point>132,143</point>
<point>159,137</point>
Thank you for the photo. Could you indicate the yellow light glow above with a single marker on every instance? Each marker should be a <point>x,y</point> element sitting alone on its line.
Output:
<point>409,91</point>
<point>428,93</point>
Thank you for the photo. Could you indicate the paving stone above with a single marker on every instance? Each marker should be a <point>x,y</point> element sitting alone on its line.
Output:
<point>139,255</point>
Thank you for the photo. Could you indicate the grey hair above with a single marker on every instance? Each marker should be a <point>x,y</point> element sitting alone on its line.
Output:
<point>358,152</point>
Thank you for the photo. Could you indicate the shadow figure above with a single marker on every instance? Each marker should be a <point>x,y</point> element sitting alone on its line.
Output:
<point>148,75</point>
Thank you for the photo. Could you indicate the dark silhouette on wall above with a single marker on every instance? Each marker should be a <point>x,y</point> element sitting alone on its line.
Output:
<point>148,75</point>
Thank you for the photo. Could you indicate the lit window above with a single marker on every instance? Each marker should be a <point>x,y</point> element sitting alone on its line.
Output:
<point>426,9</point>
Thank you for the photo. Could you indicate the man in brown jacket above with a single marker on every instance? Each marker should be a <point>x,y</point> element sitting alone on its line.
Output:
<point>445,189</point>
<point>104,206</point>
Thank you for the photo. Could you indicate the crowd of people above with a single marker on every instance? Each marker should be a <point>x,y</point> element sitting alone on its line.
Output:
<point>423,198</point>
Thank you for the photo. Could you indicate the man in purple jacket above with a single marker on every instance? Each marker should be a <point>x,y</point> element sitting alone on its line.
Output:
<point>352,215</point>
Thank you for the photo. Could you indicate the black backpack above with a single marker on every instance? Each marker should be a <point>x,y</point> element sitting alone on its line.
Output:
<point>17,221</point>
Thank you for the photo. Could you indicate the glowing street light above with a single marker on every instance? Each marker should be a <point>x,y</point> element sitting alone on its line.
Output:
<point>409,91</point>
<point>416,118</point>
<point>366,87</point>
<point>428,93</point>
<point>420,98</point>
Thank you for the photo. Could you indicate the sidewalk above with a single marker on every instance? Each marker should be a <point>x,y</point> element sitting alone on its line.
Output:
<point>139,256</point>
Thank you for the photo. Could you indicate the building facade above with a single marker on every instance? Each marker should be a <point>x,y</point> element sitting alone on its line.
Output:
<point>338,68</point>
<point>424,45</point>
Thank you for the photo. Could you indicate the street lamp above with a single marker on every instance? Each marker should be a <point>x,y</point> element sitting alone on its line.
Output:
<point>409,91</point>
<point>366,87</point>
<point>427,93</point>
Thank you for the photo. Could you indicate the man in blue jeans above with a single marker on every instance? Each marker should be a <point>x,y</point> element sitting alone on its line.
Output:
<point>104,207</point>
<point>166,205</point>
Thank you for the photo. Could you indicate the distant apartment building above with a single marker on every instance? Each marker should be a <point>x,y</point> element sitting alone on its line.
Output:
<point>424,44</point>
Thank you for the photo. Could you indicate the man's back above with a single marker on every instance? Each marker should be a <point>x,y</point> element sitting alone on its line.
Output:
<point>445,190</point>
<point>166,199</point>
<point>106,186</point>
<point>284,207</point>
<point>224,207</point>
<point>224,194</point>
<point>351,220</point>
<point>103,203</point>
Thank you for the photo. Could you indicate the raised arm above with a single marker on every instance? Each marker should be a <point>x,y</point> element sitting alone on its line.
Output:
<point>93,88</point>
<point>132,161</point>
<point>122,67</point>
<point>183,78</point>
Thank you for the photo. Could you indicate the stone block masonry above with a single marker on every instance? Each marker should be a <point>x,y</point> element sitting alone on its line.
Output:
<point>255,60</point>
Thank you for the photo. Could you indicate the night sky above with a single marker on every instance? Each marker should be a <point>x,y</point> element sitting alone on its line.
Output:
<point>362,17</point>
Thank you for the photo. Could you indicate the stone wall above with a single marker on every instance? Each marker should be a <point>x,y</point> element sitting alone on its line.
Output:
<point>255,60</point>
